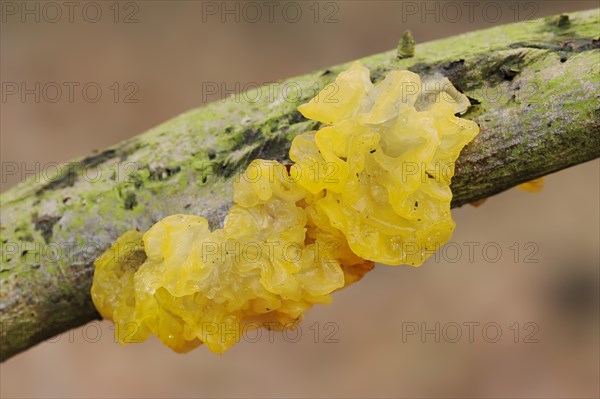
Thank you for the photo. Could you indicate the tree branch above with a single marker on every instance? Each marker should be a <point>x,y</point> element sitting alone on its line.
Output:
<point>535,88</point>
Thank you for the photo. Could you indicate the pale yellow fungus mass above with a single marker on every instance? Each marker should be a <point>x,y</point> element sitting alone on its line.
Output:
<point>372,185</point>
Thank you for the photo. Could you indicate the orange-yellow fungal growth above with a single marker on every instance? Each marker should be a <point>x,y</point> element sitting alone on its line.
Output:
<point>532,186</point>
<point>385,163</point>
<point>372,185</point>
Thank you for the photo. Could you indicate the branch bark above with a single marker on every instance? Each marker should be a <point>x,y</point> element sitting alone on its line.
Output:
<point>534,87</point>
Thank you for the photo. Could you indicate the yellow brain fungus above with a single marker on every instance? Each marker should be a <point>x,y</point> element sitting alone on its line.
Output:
<point>532,186</point>
<point>372,185</point>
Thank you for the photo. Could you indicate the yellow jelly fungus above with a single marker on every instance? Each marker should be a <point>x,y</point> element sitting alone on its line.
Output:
<point>532,186</point>
<point>372,185</point>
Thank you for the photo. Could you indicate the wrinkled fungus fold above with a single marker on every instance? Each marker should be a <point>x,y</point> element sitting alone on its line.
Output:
<point>371,185</point>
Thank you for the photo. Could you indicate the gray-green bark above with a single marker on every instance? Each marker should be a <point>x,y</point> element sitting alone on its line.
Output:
<point>535,88</point>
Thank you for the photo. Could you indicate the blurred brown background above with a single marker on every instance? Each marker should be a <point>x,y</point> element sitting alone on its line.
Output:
<point>531,273</point>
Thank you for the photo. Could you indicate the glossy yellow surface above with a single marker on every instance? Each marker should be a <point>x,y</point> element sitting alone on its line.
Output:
<point>386,162</point>
<point>371,185</point>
